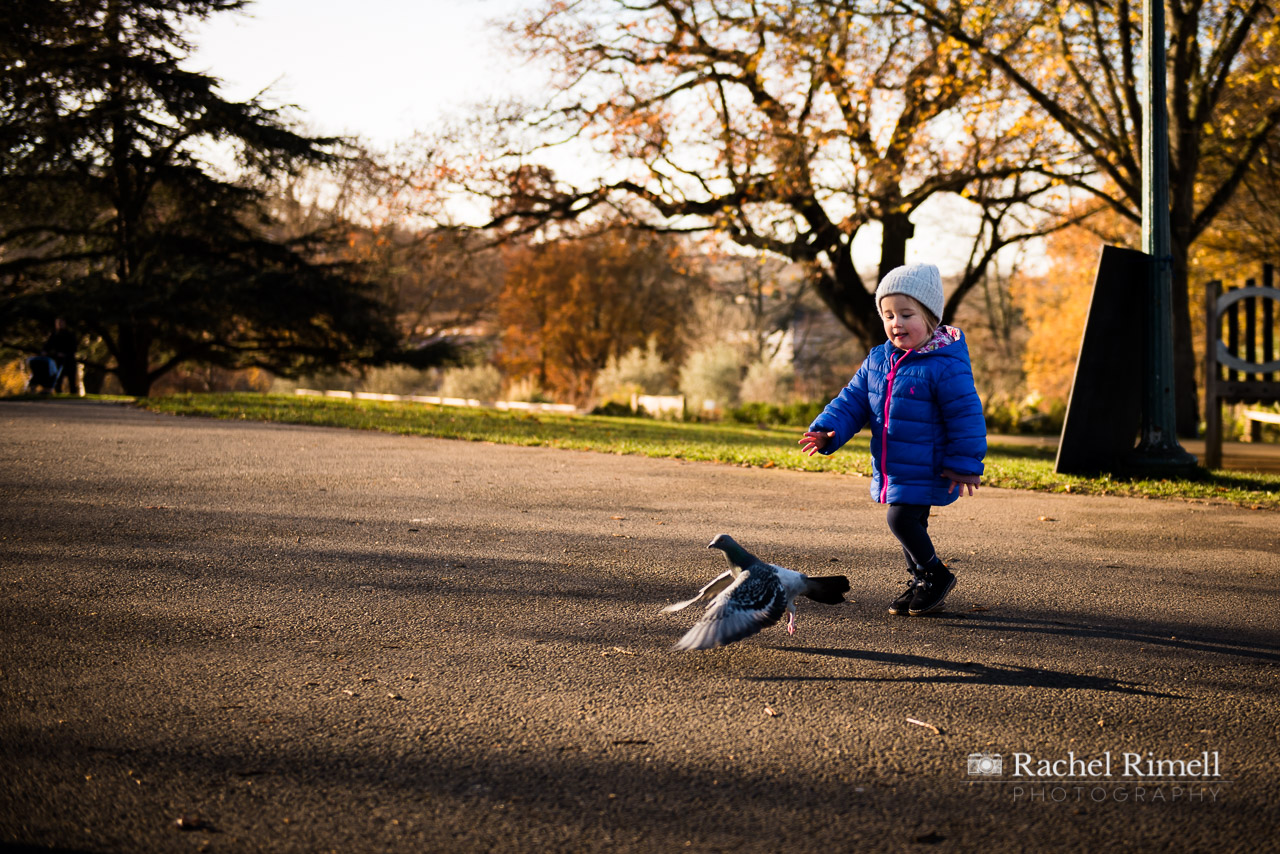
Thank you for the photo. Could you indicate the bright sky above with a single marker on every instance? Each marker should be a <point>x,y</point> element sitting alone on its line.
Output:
<point>378,69</point>
<point>385,69</point>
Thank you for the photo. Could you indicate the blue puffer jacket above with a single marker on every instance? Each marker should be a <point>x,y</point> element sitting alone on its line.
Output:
<point>933,420</point>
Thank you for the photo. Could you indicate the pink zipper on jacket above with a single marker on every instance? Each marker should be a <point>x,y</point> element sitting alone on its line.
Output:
<point>884,432</point>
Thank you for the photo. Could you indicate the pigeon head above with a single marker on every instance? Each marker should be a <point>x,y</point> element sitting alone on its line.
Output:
<point>737,555</point>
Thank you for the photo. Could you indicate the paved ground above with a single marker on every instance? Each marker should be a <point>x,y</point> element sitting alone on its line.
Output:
<point>302,639</point>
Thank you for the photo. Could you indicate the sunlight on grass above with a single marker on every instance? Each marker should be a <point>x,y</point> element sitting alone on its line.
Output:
<point>1008,466</point>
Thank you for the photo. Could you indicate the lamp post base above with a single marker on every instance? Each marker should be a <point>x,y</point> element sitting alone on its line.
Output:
<point>1166,460</point>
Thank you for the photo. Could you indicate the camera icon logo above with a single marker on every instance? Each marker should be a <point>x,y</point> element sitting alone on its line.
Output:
<point>985,764</point>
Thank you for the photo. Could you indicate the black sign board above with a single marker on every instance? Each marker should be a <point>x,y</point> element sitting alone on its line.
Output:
<point>1104,415</point>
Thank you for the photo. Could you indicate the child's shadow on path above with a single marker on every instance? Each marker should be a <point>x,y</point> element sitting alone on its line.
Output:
<point>962,673</point>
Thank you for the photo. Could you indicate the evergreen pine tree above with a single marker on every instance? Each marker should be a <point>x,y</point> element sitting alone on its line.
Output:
<point>111,216</point>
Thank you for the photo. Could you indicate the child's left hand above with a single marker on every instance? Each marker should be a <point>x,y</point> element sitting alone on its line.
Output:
<point>967,482</point>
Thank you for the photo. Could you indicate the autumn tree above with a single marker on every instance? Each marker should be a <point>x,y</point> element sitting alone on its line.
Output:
<point>1054,301</point>
<point>569,305</point>
<point>1078,61</point>
<point>111,216</point>
<point>1247,233</point>
<point>787,127</point>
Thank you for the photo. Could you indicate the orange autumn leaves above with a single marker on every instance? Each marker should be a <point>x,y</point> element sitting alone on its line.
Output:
<point>1055,304</point>
<point>570,304</point>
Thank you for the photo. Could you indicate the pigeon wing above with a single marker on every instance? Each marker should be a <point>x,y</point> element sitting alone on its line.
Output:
<point>720,582</point>
<point>754,601</point>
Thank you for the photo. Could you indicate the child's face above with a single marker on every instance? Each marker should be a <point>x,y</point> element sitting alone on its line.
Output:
<point>904,322</point>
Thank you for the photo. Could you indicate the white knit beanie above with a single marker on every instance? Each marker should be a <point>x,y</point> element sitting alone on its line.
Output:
<point>922,282</point>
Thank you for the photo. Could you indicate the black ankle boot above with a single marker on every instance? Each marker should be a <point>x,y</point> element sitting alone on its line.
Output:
<point>935,582</point>
<point>900,606</point>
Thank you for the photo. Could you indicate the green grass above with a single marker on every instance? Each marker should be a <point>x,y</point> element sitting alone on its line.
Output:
<point>1009,466</point>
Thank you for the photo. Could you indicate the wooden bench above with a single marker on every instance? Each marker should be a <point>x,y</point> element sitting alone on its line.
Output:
<point>1256,418</point>
<point>1240,358</point>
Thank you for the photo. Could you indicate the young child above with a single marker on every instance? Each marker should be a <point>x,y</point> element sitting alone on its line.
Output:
<point>928,434</point>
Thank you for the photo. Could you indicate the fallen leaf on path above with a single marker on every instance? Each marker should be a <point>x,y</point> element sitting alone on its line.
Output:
<point>936,731</point>
<point>192,822</point>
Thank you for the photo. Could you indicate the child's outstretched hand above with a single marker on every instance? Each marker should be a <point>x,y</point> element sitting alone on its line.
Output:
<point>815,440</point>
<point>967,482</point>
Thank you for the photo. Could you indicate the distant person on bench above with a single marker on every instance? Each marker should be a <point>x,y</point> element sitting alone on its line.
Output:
<point>61,347</point>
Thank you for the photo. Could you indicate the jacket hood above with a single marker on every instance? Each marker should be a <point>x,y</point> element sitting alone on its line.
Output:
<point>942,336</point>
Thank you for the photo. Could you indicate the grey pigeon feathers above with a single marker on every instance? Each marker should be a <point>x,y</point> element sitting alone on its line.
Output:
<point>750,596</point>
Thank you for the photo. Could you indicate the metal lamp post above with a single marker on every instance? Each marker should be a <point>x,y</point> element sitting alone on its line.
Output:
<point>1158,453</point>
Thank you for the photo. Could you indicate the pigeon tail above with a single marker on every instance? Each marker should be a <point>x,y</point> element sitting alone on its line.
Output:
<point>737,555</point>
<point>827,589</point>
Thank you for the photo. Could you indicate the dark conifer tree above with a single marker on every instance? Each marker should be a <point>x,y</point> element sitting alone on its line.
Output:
<point>112,216</point>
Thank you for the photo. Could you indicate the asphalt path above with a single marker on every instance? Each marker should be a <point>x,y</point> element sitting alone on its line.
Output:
<point>232,636</point>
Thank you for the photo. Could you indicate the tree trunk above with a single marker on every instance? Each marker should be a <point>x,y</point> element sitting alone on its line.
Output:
<point>133,352</point>
<point>845,294</point>
<point>898,229</point>
<point>133,383</point>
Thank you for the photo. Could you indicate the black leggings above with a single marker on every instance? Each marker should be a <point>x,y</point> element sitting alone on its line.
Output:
<point>910,524</point>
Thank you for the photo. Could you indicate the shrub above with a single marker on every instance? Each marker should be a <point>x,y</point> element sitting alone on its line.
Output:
<point>635,372</point>
<point>399,379</point>
<point>479,382</point>
<point>802,414</point>
<point>713,374</point>
<point>13,377</point>
<point>197,378</point>
<point>767,382</point>
<point>1029,416</point>
<point>614,409</point>
<point>527,390</point>
<point>790,415</point>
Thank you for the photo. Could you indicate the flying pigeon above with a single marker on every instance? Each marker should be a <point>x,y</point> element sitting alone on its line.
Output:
<point>751,595</point>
